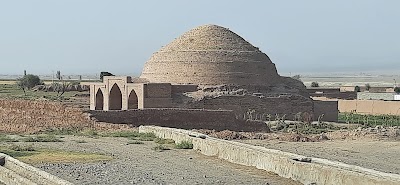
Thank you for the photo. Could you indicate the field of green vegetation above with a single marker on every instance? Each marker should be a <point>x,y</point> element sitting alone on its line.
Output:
<point>12,91</point>
<point>370,120</point>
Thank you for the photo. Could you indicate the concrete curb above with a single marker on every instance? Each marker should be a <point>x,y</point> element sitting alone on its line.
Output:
<point>17,172</point>
<point>297,167</point>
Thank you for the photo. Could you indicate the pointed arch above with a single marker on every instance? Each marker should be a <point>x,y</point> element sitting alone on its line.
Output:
<point>115,98</point>
<point>99,100</point>
<point>133,100</point>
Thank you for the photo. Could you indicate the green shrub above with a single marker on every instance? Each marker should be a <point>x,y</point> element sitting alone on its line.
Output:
<point>160,148</point>
<point>184,145</point>
<point>122,134</point>
<point>132,135</point>
<point>22,148</point>
<point>5,138</point>
<point>81,141</point>
<point>28,81</point>
<point>89,133</point>
<point>397,90</point>
<point>42,138</point>
<point>135,142</point>
<point>147,137</point>
<point>62,131</point>
<point>18,151</point>
<point>164,141</point>
<point>314,84</point>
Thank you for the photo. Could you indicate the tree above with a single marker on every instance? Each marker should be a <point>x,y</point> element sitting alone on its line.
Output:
<point>105,73</point>
<point>367,87</point>
<point>28,81</point>
<point>397,90</point>
<point>314,84</point>
<point>357,89</point>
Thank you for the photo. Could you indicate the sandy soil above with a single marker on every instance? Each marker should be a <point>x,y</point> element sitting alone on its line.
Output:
<point>378,155</point>
<point>139,164</point>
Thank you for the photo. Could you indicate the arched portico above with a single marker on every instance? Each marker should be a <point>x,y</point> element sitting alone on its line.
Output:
<point>115,98</point>
<point>133,100</point>
<point>118,93</point>
<point>99,100</point>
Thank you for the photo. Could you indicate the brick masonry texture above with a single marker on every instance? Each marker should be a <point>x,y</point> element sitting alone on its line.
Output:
<point>180,118</point>
<point>210,55</point>
<point>287,105</point>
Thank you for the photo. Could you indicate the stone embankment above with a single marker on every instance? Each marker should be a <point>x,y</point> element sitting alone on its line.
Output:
<point>13,171</point>
<point>297,167</point>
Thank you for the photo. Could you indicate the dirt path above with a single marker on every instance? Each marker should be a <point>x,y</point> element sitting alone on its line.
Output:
<point>378,155</point>
<point>139,164</point>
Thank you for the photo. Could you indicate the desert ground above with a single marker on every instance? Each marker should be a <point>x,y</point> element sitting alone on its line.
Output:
<point>127,162</point>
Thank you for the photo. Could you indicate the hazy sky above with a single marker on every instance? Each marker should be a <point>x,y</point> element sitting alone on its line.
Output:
<point>88,36</point>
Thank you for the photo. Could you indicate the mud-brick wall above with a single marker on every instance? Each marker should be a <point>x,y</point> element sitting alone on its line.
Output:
<point>329,110</point>
<point>157,95</point>
<point>374,107</point>
<point>180,118</point>
<point>25,116</point>
<point>279,105</point>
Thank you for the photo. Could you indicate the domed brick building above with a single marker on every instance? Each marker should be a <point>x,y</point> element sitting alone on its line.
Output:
<point>210,55</point>
<point>208,67</point>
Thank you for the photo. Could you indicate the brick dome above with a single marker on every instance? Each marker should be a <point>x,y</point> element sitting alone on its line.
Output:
<point>210,55</point>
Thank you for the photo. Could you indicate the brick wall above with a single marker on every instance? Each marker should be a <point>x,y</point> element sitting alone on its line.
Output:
<point>158,90</point>
<point>375,107</point>
<point>328,108</point>
<point>180,118</point>
<point>287,105</point>
<point>183,88</point>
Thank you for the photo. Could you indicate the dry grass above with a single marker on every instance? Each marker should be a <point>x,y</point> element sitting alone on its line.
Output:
<point>29,154</point>
<point>51,156</point>
<point>7,82</point>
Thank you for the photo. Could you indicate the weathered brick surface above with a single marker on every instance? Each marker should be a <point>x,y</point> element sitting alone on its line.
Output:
<point>158,90</point>
<point>287,105</point>
<point>329,109</point>
<point>183,88</point>
<point>210,55</point>
<point>374,107</point>
<point>181,118</point>
<point>31,116</point>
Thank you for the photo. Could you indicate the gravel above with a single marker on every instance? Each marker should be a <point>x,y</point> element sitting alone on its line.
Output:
<point>139,164</point>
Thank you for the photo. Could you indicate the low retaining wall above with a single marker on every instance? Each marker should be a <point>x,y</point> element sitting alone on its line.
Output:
<point>374,107</point>
<point>318,171</point>
<point>181,118</point>
<point>17,172</point>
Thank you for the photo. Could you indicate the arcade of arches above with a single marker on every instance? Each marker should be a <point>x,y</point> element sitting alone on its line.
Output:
<point>120,93</point>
